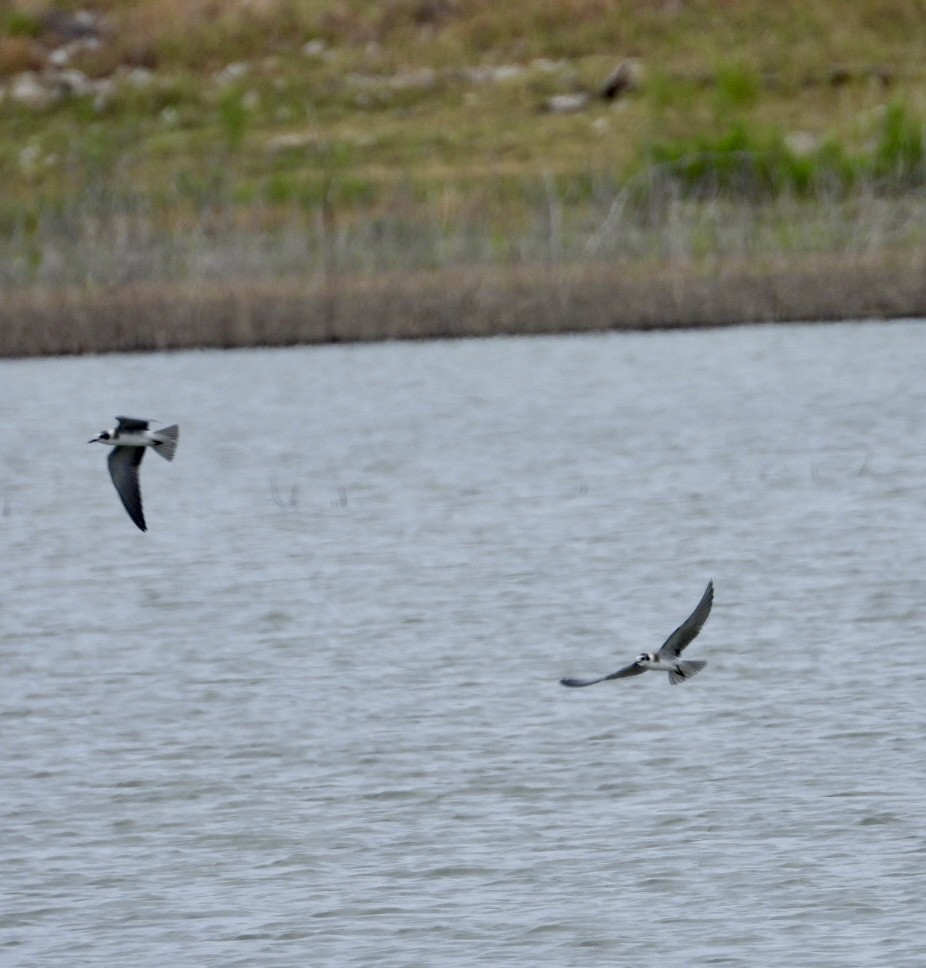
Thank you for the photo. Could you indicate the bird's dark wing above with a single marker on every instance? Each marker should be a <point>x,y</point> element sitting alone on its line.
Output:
<point>131,423</point>
<point>634,669</point>
<point>123,469</point>
<point>676,642</point>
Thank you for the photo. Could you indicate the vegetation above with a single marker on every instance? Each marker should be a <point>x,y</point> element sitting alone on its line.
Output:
<point>220,158</point>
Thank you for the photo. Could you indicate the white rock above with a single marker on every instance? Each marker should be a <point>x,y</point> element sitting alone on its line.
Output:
<point>103,91</point>
<point>29,157</point>
<point>71,83</point>
<point>567,103</point>
<point>314,48</point>
<point>60,56</point>
<point>28,90</point>
<point>802,143</point>
<point>232,72</point>
<point>139,78</point>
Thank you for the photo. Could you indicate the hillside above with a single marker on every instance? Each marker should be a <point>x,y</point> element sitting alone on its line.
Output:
<point>322,150</point>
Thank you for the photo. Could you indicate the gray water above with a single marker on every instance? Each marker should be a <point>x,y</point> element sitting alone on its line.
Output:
<point>313,717</point>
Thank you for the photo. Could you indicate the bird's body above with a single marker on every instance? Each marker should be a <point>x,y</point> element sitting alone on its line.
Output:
<point>129,440</point>
<point>667,658</point>
<point>678,670</point>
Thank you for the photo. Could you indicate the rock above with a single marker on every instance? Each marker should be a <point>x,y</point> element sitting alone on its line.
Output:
<point>292,140</point>
<point>29,158</point>
<point>567,103</point>
<point>60,56</point>
<point>314,48</point>
<point>138,78</point>
<point>547,66</point>
<point>36,91</point>
<point>80,25</point>
<point>71,83</point>
<point>63,55</point>
<point>231,73</point>
<point>103,91</point>
<point>485,74</point>
<point>802,143</point>
<point>28,90</point>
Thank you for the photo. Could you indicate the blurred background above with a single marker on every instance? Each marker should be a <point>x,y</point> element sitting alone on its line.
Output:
<point>190,173</point>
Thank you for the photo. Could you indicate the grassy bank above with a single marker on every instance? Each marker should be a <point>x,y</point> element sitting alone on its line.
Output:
<point>277,171</point>
<point>455,303</point>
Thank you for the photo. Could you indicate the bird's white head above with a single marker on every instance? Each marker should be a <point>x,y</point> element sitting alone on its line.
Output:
<point>104,437</point>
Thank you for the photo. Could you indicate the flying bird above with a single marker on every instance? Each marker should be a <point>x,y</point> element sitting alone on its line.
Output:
<point>128,440</point>
<point>667,658</point>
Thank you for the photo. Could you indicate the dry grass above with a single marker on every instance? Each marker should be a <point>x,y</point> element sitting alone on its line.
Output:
<point>452,303</point>
<point>19,54</point>
<point>432,267</point>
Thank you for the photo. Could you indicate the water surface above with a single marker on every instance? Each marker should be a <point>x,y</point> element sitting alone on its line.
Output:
<point>312,716</point>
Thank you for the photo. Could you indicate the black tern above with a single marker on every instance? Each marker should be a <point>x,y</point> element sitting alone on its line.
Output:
<point>667,658</point>
<point>128,440</point>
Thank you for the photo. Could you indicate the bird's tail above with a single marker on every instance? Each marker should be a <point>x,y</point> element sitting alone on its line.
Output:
<point>685,670</point>
<point>167,441</point>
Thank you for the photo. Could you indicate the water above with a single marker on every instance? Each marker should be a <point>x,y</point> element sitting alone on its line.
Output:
<point>312,716</point>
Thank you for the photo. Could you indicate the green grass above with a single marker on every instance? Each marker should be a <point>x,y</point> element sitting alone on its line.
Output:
<point>400,83</point>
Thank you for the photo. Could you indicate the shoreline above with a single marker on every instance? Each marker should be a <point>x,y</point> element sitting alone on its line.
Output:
<point>456,303</point>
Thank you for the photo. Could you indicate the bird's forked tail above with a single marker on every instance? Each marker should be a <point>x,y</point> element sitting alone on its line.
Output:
<point>685,670</point>
<point>167,441</point>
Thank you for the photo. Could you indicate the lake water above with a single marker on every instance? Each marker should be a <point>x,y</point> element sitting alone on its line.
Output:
<point>313,717</point>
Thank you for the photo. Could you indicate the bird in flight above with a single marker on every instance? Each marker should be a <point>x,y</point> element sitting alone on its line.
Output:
<point>128,440</point>
<point>667,658</point>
